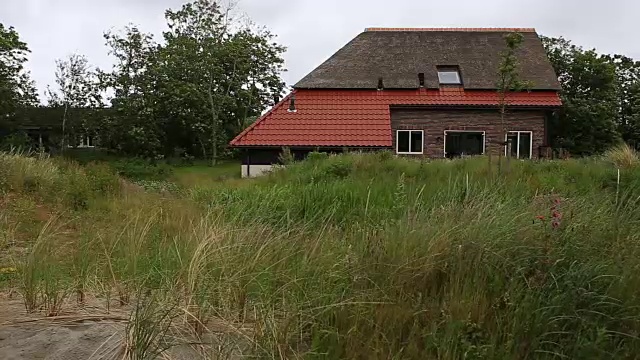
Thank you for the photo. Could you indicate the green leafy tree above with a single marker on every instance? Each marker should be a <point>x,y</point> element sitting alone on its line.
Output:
<point>194,92</point>
<point>628,97</point>
<point>587,122</point>
<point>631,121</point>
<point>220,72</point>
<point>17,90</point>
<point>132,126</point>
<point>77,90</point>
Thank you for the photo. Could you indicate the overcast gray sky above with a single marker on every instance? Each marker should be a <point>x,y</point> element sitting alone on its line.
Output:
<point>313,30</point>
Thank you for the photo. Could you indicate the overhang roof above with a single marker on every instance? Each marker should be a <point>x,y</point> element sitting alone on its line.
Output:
<point>362,117</point>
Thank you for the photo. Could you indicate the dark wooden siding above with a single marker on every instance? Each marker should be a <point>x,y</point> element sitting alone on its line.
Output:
<point>434,122</point>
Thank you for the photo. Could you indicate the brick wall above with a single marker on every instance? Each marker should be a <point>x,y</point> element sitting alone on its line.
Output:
<point>435,121</point>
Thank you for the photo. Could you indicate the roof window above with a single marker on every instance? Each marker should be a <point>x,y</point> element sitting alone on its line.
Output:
<point>449,75</point>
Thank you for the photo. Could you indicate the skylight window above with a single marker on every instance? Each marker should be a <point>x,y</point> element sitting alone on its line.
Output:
<point>449,76</point>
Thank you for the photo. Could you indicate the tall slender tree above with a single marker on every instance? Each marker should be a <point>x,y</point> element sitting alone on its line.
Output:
<point>508,81</point>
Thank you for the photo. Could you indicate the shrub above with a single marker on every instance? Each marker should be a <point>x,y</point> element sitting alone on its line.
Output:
<point>339,169</point>
<point>317,156</point>
<point>286,156</point>
<point>16,141</point>
<point>102,179</point>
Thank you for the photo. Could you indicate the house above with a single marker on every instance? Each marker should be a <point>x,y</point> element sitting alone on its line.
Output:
<point>429,92</point>
<point>43,126</point>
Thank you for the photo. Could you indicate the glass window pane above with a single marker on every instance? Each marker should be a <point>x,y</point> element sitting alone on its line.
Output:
<point>513,144</point>
<point>403,141</point>
<point>448,77</point>
<point>525,145</point>
<point>416,141</point>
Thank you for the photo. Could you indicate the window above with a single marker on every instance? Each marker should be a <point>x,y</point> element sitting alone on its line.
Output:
<point>449,76</point>
<point>83,142</point>
<point>520,143</point>
<point>409,141</point>
<point>459,143</point>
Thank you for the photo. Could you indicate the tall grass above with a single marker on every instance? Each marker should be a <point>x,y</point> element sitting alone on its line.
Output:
<point>377,257</point>
<point>623,156</point>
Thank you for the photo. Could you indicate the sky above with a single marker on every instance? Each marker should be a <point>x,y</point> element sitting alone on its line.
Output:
<point>312,30</point>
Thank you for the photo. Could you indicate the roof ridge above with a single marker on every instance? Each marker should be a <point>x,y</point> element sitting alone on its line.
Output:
<point>462,29</point>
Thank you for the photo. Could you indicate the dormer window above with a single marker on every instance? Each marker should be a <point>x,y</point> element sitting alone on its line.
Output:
<point>449,75</point>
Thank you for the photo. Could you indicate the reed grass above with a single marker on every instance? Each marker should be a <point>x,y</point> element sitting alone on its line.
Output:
<point>365,256</point>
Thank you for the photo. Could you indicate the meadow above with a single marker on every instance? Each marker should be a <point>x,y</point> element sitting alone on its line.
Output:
<point>357,256</point>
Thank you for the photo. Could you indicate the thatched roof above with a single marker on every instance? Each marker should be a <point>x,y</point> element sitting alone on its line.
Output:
<point>399,55</point>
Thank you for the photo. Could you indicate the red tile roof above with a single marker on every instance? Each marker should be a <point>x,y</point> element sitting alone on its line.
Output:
<point>362,117</point>
<point>455,29</point>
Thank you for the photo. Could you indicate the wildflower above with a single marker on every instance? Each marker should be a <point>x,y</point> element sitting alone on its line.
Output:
<point>540,217</point>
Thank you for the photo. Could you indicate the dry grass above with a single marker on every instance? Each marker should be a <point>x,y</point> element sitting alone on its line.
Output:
<point>623,156</point>
<point>355,257</point>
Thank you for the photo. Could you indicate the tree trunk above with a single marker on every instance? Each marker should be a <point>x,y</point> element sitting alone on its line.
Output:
<point>64,124</point>
<point>214,124</point>
<point>204,148</point>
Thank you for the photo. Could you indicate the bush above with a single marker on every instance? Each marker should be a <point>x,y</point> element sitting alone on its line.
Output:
<point>19,141</point>
<point>102,178</point>
<point>317,156</point>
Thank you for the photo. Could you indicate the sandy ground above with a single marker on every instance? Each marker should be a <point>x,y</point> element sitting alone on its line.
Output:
<point>79,334</point>
<point>73,335</point>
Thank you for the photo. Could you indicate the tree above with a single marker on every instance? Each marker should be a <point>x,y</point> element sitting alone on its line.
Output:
<point>17,90</point>
<point>230,73</point>
<point>587,122</point>
<point>132,127</point>
<point>77,89</point>
<point>508,80</point>
<point>631,123</point>
<point>628,97</point>
<point>194,92</point>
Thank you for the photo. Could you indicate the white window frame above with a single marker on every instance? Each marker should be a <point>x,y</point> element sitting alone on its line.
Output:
<point>484,139</point>
<point>84,142</point>
<point>410,152</point>
<point>506,138</point>
<point>450,70</point>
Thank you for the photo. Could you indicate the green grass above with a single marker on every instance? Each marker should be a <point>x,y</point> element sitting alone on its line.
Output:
<point>353,256</point>
<point>203,175</point>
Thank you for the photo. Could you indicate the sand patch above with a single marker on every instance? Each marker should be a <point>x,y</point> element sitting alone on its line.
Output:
<point>89,333</point>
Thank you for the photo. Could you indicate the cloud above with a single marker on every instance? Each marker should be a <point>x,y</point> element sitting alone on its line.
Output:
<point>313,30</point>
